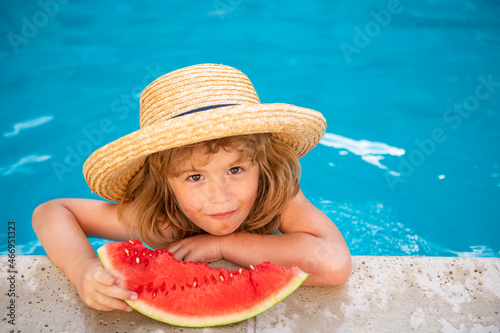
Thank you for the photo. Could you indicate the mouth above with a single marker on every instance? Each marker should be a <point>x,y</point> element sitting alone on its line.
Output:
<point>222,215</point>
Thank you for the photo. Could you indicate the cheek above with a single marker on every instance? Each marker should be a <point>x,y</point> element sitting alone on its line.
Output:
<point>189,201</point>
<point>250,192</point>
<point>183,196</point>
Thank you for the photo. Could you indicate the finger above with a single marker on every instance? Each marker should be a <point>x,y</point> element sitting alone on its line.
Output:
<point>191,257</point>
<point>180,254</point>
<point>119,293</point>
<point>99,306</point>
<point>103,277</point>
<point>173,247</point>
<point>115,304</point>
<point>93,303</point>
<point>110,303</point>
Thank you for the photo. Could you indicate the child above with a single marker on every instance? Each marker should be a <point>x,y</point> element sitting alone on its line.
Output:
<point>211,174</point>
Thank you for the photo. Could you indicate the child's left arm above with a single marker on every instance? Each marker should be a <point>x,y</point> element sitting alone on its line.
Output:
<point>309,240</point>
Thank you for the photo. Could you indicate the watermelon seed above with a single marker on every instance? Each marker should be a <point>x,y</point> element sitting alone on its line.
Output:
<point>231,274</point>
<point>241,270</point>
<point>194,284</point>
<point>154,294</point>
<point>251,267</point>
<point>137,260</point>
<point>131,242</point>
<point>126,251</point>
<point>222,278</point>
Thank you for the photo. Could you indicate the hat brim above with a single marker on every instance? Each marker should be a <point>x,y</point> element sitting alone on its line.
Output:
<point>109,169</point>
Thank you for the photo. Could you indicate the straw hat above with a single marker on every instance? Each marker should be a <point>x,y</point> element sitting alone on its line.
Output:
<point>195,104</point>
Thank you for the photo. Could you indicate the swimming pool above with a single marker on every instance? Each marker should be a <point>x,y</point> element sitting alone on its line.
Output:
<point>410,91</point>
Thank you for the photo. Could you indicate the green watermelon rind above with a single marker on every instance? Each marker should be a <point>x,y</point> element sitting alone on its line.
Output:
<point>186,321</point>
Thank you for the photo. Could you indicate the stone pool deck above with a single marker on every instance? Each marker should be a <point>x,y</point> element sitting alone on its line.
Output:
<point>383,294</point>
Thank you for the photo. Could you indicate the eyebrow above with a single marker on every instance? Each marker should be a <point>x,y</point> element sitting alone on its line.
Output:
<point>231,165</point>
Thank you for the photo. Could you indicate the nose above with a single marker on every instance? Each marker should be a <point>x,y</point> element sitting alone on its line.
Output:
<point>218,191</point>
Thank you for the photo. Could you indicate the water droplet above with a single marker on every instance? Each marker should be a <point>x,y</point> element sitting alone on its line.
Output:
<point>441,176</point>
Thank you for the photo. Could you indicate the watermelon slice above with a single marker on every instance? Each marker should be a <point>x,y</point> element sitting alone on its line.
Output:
<point>195,294</point>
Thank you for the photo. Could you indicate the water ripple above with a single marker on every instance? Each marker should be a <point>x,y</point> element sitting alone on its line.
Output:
<point>372,229</point>
<point>20,166</point>
<point>370,152</point>
<point>18,127</point>
<point>476,251</point>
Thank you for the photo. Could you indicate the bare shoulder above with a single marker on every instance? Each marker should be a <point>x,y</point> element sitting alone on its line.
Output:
<point>302,216</point>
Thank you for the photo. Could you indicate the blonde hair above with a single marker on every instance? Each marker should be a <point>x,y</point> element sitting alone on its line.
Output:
<point>151,204</point>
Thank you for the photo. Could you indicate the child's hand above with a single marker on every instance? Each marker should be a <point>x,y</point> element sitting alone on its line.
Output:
<point>199,248</point>
<point>100,290</point>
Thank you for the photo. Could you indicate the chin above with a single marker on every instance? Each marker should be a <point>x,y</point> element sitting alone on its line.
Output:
<point>223,232</point>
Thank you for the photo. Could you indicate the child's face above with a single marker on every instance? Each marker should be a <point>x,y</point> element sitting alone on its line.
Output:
<point>217,196</point>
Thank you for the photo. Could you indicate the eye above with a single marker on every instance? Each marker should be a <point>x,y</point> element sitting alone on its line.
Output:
<point>235,170</point>
<point>194,178</point>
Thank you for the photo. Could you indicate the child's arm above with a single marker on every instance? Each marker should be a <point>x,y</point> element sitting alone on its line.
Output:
<point>310,241</point>
<point>62,226</point>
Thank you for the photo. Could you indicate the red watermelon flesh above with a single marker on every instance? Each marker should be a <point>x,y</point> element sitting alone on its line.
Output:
<point>195,294</point>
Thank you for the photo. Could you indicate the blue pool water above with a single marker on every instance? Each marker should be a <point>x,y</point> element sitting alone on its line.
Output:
<point>410,89</point>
